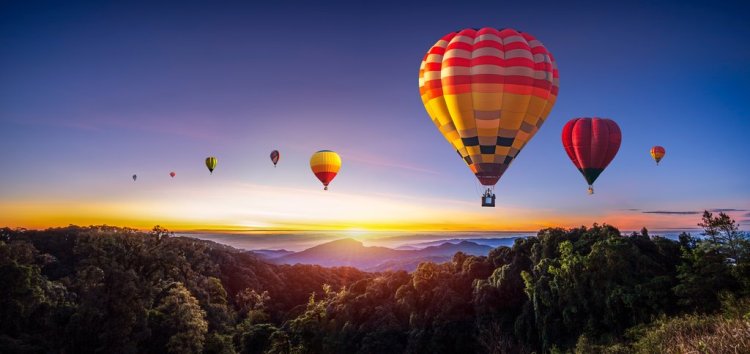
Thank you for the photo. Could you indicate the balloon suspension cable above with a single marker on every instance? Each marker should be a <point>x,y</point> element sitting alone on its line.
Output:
<point>591,189</point>
<point>477,190</point>
<point>482,190</point>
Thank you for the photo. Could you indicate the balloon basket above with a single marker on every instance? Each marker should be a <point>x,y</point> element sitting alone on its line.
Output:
<point>488,199</point>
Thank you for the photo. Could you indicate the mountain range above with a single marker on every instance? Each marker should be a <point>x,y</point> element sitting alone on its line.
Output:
<point>350,252</point>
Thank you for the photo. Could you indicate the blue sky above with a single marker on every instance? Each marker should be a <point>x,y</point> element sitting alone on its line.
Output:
<point>92,93</point>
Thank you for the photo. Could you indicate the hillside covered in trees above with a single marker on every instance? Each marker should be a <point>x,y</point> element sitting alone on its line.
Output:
<point>585,290</point>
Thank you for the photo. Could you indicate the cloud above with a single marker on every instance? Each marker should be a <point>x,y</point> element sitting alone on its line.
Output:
<point>673,212</point>
<point>668,212</point>
<point>632,209</point>
<point>380,161</point>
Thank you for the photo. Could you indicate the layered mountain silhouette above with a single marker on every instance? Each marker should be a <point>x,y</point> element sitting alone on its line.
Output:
<point>350,252</point>
<point>271,254</point>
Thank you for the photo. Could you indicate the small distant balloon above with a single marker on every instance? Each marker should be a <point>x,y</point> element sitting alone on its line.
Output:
<point>172,174</point>
<point>657,153</point>
<point>275,157</point>
<point>591,143</point>
<point>134,178</point>
<point>211,164</point>
<point>325,164</point>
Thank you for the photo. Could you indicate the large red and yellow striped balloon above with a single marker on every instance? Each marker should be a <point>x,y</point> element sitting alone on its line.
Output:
<point>488,91</point>
<point>325,164</point>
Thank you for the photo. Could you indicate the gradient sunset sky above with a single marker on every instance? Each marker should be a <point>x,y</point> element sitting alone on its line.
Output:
<point>93,92</point>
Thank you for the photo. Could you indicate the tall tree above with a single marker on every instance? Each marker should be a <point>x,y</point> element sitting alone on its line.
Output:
<point>182,320</point>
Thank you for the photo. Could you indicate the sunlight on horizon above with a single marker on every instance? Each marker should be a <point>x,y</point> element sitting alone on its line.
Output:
<point>245,207</point>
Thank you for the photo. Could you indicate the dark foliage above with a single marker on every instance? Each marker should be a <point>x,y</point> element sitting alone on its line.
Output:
<point>118,290</point>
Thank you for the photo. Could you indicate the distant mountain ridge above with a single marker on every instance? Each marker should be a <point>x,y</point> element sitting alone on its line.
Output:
<point>489,241</point>
<point>270,254</point>
<point>350,252</point>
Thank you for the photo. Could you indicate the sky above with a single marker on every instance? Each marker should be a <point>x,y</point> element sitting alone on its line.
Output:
<point>94,92</point>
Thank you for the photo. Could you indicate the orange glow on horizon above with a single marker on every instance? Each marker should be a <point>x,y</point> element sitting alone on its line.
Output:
<point>254,208</point>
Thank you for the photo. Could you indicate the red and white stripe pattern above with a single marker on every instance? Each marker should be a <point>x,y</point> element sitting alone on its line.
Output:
<point>488,91</point>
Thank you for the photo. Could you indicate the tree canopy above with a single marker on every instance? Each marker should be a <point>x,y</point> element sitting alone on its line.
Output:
<point>119,290</point>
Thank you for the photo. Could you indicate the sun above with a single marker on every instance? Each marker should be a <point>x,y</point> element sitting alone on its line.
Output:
<point>356,232</point>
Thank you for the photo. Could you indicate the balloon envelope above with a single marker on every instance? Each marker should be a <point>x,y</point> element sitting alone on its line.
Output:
<point>657,153</point>
<point>134,178</point>
<point>325,164</point>
<point>172,174</point>
<point>591,143</point>
<point>211,163</point>
<point>488,92</point>
<point>275,157</point>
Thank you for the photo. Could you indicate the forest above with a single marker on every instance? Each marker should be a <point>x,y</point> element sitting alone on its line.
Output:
<point>581,290</point>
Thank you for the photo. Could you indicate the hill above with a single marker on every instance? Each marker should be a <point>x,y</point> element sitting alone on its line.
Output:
<point>584,290</point>
<point>270,254</point>
<point>87,289</point>
<point>350,252</point>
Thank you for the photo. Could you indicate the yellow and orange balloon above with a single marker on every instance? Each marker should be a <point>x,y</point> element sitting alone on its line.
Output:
<point>488,91</point>
<point>325,164</point>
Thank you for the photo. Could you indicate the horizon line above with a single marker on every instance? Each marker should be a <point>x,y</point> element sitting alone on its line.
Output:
<point>348,230</point>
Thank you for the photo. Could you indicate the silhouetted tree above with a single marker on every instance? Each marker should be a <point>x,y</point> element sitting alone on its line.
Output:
<point>119,290</point>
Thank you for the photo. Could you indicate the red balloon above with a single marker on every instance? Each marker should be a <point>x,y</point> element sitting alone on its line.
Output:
<point>275,157</point>
<point>172,174</point>
<point>591,143</point>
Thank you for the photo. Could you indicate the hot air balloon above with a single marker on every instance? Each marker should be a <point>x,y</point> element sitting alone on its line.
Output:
<point>591,143</point>
<point>325,164</point>
<point>211,164</point>
<point>488,92</point>
<point>172,174</point>
<point>275,157</point>
<point>657,153</point>
<point>134,178</point>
